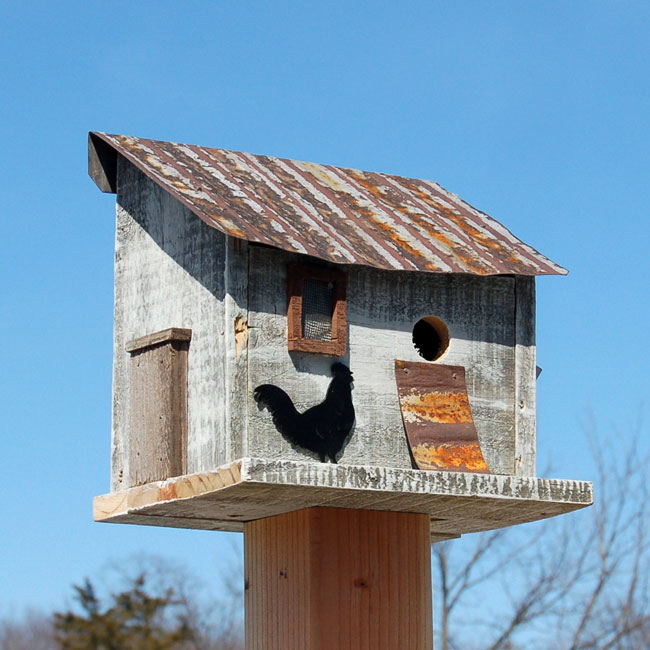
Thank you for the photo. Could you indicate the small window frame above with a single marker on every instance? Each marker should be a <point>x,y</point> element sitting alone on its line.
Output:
<point>296,276</point>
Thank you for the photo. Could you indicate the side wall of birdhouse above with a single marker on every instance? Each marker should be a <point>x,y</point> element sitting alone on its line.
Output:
<point>487,337</point>
<point>173,271</point>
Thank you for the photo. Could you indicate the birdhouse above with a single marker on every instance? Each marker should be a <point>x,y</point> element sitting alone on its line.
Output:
<point>292,335</point>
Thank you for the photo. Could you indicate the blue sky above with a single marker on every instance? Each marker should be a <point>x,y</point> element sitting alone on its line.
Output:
<point>537,113</point>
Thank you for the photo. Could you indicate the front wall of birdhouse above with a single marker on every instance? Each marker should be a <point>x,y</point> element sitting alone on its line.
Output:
<point>382,309</point>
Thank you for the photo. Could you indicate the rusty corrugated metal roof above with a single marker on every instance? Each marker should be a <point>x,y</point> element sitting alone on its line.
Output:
<point>341,215</point>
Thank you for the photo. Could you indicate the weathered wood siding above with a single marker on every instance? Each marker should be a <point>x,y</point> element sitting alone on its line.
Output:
<point>158,411</point>
<point>170,272</point>
<point>382,309</point>
<point>525,379</point>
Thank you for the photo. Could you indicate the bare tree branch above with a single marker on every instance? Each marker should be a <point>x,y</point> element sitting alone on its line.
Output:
<point>577,582</point>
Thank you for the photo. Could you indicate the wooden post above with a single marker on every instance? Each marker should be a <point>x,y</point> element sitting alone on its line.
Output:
<point>338,579</point>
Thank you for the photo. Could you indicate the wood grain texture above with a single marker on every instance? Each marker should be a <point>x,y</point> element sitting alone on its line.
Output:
<point>325,578</point>
<point>170,334</point>
<point>253,488</point>
<point>234,363</point>
<point>157,444</point>
<point>172,270</point>
<point>169,273</point>
<point>479,314</point>
<point>525,378</point>
<point>382,308</point>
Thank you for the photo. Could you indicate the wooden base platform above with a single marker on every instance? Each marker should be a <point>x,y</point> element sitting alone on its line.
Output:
<point>253,488</point>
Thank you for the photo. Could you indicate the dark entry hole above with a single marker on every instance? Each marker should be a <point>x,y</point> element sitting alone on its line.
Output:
<point>430,337</point>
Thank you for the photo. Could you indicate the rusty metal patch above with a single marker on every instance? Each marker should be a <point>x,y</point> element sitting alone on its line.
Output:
<point>341,215</point>
<point>438,418</point>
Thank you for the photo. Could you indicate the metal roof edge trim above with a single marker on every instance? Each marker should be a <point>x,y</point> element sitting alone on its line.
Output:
<point>102,168</point>
<point>102,162</point>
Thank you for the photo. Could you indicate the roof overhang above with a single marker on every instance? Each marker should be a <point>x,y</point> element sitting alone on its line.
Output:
<point>340,215</point>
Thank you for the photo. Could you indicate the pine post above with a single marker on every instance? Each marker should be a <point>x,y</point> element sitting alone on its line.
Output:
<point>329,578</point>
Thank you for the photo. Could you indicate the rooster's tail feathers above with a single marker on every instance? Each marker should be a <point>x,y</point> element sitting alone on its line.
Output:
<point>272,397</point>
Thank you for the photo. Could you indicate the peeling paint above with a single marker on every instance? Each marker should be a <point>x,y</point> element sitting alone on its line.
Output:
<point>341,215</point>
<point>241,334</point>
<point>457,503</point>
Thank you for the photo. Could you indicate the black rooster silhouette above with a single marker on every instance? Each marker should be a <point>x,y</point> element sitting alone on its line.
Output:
<point>322,428</point>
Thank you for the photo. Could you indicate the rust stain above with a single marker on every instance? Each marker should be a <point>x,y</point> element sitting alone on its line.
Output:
<point>235,232</point>
<point>402,224</point>
<point>392,234</point>
<point>437,417</point>
<point>168,492</point>
<point>450,457</point>
<point>443,407</point>
<point>362,179</point>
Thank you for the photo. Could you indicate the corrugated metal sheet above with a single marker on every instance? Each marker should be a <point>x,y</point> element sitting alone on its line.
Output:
<point>341,215</point>
<point>438,418</point>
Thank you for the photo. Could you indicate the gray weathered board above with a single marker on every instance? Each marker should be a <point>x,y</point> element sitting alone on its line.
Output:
<point>251,488</point>
<point>382,309</point>
<point>174,271</point>
<point>158,401</point>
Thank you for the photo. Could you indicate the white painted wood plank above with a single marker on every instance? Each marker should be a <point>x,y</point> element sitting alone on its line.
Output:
<point>525,379</point>
<point>236,327</point>
<point>169,272</point>
<point>382,309</point>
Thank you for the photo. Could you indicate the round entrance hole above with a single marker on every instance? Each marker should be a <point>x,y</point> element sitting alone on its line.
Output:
<point>430,337</point>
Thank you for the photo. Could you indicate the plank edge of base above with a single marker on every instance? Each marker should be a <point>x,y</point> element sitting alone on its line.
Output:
<point>251,488</point>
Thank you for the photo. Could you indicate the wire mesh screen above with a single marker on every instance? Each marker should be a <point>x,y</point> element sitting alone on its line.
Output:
<point>317,309</point>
